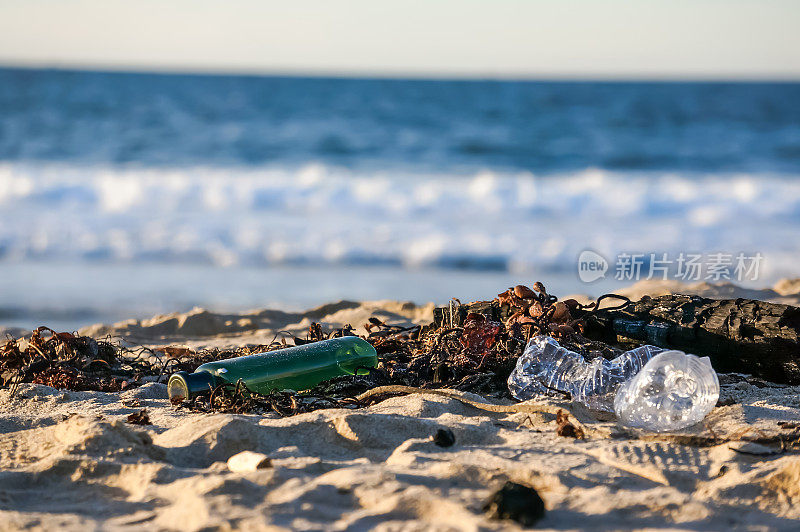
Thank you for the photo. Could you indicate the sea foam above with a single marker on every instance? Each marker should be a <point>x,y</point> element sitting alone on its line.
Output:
<point>318,214</point>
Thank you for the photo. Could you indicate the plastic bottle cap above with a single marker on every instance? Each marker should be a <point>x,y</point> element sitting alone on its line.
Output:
<point>183,385</point>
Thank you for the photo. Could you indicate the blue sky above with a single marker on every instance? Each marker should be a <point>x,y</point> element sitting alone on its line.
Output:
<point>470,38</point>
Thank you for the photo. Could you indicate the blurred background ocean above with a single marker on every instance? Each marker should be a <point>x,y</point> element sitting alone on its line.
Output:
<point>123,195</point>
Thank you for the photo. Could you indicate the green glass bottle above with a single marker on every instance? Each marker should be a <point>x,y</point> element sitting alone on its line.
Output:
<point>294,368</point>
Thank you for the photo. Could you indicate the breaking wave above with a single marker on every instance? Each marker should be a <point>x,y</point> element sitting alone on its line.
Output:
<point>321,214</point>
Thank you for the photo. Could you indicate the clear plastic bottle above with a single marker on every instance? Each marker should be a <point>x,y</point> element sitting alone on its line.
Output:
<point>546,367</point>
<point>673,391</point>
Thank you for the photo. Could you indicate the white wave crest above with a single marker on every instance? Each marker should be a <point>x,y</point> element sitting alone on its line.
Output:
<point>318,214</point>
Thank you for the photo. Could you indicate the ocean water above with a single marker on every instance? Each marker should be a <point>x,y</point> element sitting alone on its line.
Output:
<point>122,195</point>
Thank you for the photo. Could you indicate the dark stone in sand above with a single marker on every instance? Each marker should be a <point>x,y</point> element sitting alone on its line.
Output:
<point>517,502</point>
<point>444,438</point>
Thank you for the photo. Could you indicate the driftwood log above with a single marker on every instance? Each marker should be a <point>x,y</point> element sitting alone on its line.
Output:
<point>739,335</point>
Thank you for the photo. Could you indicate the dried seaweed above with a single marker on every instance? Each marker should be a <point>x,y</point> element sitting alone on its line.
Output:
<point>61,360</point>
<point>475,356</point>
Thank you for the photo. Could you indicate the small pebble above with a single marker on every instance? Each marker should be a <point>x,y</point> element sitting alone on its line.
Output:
<point>247,461</point>
<point>517,502</point>
<point>444,438</point>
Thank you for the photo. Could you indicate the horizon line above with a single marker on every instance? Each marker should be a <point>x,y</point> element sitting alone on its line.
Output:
<point>409,75</point>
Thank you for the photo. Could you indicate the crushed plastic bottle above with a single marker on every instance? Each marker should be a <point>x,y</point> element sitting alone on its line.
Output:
<point>546,367</point>
<point>647,387</point>
<point>673,391</point>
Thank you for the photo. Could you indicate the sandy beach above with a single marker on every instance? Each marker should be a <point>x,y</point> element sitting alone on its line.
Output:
<point>469,246</point>
<point>69,460</point>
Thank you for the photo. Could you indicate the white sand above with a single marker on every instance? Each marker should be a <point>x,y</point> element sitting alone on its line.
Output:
<point>68,460</point>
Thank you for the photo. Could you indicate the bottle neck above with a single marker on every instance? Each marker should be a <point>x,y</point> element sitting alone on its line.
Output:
<point>184,386</point>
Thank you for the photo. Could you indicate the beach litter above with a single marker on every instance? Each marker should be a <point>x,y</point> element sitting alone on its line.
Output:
<point>671,392</point>
<point>547,368</point>
<point>477,348</point>
<point>294,368</point>
<point>647,387</point>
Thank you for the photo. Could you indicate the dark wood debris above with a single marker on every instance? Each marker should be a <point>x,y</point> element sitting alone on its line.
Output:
<point>739,335</point>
